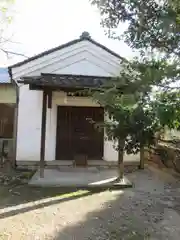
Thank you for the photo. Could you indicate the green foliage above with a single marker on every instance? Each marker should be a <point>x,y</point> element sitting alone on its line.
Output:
<point>167,107</point>
<point>129,119</point>
<point>156,72</point>
<point>136,113</point>
<point>151,24</point>
<point>143,125</point>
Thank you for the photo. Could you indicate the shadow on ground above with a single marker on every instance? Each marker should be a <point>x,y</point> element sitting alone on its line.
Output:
<point>136,214</point>
<point>149,211</point>
<point>113,222</point>
<point>24,195</point>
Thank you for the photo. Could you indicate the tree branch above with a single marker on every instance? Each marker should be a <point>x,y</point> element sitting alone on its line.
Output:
<point>13,53</point>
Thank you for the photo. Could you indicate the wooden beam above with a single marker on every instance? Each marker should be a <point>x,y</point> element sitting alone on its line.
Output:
<point>43,134</point>
<point>58,88</point>
<point>35,87</point>
<point>50,99</point>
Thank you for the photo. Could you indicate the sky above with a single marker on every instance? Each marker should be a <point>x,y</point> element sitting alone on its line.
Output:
<point>39,25</point>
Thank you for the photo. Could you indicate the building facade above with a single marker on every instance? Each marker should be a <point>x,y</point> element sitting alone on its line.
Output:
<point>52,122</point>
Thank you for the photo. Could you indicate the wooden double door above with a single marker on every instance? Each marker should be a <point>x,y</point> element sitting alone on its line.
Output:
<point>77,135</point>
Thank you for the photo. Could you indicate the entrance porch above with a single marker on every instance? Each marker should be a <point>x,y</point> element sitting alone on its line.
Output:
<point>66,131</point>
<point>58,128</point>
<point>90,177</point>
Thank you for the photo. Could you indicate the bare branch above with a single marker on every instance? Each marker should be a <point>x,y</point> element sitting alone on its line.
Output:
<point>12,53</point>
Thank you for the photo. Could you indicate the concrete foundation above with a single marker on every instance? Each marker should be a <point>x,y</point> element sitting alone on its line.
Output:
<point>34,165</point>
<point>79,177</point>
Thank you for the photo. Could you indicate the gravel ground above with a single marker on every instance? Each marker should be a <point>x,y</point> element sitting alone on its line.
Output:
<point>151,210</point>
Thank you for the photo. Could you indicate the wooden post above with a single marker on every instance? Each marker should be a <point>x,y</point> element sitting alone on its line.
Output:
<point>43,134</point>
<point>50,99</point>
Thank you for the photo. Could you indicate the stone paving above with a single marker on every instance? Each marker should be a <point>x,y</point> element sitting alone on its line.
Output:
<point>150,210</point>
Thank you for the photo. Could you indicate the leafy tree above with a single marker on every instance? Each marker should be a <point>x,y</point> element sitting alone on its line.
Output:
<point>134,114</point>
<point>131,124</point>
<point>167,108</point>
<point>153,30</point>
<point>151,24</point>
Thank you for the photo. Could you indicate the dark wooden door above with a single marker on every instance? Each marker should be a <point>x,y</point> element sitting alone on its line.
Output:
<point>76,135</point>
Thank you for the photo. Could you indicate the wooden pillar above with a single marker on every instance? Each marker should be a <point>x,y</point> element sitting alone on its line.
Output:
<point>43,134</point>
<point>49,99</point>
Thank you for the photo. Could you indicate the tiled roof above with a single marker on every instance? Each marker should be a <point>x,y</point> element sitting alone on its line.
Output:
<point>84,36</point>
<point>4,76</point>
<point>66,80</point>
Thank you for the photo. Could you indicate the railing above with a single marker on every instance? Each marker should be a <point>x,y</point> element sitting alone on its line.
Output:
<point>6,146</point>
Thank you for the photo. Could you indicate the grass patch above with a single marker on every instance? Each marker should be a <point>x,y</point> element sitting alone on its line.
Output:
<point>72,194</point>
<point>19,194</point>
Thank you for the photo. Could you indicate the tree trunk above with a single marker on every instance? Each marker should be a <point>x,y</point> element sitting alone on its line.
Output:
<point>41,171</point>
<point>120,159</point>
<point>142,158</point>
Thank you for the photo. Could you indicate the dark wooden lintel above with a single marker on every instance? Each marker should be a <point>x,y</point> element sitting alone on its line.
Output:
<point>56,88</point>
<point>35,87</point>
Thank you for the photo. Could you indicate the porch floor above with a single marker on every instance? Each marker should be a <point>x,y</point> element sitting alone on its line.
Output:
<point>90,177</point>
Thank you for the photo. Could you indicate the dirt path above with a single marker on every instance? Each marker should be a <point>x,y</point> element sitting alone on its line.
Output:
<point>151,210</point>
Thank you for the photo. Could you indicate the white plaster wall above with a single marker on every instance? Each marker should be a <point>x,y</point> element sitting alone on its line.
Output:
<point>29,124</point>
<point>110,154</point>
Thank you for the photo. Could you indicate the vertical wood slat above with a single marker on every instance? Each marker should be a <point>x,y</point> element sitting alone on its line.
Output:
<point>76,135</point>
<point>43,133</point>
<point>6,120</point>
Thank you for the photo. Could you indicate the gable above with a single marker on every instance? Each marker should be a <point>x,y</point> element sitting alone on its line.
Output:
<point>81,57</point>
